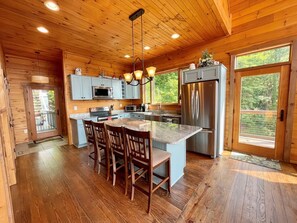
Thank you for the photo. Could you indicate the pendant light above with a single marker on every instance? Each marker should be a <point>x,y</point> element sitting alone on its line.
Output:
<point>38,78</point>
<point>138,74</point>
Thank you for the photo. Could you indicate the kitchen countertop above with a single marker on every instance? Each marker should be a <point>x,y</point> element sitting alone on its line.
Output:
<point>116,112</point>
<point>164,132</point>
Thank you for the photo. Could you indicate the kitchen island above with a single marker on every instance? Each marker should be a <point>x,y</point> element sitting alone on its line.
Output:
<point>166,136</point>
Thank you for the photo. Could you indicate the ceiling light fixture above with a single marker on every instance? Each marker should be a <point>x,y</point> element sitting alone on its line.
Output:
<point>175,36</point>
<point>42,29</point>
<point>137,74</point>
<point>127,56</point>
<point>147,47</point>
<point>52,5</point>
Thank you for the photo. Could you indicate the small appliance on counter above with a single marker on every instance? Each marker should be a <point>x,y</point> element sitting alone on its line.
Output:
<point>102,113</point>
<point>144,107</point>
<point>130,108</point>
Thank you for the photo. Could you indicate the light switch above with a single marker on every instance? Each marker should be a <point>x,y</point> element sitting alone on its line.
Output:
<point>25,131</point>
<point>75,108</point>
<point>121,105</point>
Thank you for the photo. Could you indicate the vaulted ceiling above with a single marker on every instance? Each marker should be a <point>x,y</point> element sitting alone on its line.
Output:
<point>101,28</point>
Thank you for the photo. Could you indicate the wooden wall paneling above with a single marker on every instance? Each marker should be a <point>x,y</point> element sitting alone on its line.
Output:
<point>290,148</point>
<point>90,67</point>
<point>7,167</point>
<point>230,115</point>
<point>19,72</point>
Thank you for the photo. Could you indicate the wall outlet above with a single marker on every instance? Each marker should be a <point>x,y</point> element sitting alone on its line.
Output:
<point>26,131</point>
<point>121,105</point>
<point>75,108</point>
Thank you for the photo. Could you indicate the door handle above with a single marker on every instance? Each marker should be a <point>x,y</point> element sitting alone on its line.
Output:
<point>282,115</point>
<point>58,112</point>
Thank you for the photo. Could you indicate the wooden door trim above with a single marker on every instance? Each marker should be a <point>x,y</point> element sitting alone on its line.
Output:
<point>31,118</point>
<point>291,103</point>
<point>278,151</point>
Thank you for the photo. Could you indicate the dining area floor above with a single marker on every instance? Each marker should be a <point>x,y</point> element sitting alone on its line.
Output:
<point>58,185</point>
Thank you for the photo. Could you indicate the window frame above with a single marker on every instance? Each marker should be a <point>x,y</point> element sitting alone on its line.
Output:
<point>261,50</point>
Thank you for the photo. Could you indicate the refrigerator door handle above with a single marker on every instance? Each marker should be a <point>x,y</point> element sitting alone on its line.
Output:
<point>192,104</point>
<point>197,105</point>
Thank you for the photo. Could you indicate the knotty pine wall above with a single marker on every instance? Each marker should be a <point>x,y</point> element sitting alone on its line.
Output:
<point>263,24</point>
<point>7,167</point>
<point>19,72</point>
<point>90,67</point>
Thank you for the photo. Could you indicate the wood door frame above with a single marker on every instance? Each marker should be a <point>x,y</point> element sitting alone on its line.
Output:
<point>278,152</point>
<point>30,110</point>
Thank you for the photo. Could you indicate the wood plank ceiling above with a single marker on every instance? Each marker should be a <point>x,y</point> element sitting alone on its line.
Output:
<point>102,29</point>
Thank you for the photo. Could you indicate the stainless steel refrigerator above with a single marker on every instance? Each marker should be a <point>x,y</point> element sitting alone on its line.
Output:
<point>203,104</point>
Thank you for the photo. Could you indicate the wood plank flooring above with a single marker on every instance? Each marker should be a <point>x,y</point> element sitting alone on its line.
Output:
<point>57,185</point>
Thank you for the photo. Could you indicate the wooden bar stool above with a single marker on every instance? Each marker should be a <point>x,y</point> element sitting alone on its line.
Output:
<point>142,155</point>
<point>90,142</point>
<point>118,152</point>
<point>102,146</point>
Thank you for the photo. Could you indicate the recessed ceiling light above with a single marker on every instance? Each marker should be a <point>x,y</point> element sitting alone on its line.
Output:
<point>175,36</point>
<point>146,47</point>
<point>127,56</point>
<point>42,29</point>
<point>52,5</point>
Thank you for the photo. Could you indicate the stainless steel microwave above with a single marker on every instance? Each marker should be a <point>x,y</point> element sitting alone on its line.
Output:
<point>102,92</point>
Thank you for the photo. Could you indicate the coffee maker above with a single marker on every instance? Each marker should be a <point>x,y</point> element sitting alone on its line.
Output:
<point>144,107</point>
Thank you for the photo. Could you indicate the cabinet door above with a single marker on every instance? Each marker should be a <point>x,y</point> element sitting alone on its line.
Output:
<point>136,91</point>
<point>106,82</point>
<point>190,76</point>
<point>86,83</point>
<point>117,89</point>
<point>128,91</point>
<point>76,87</point>
<point>132,92</point>
<point>96,81</point>
<point>99,81</point>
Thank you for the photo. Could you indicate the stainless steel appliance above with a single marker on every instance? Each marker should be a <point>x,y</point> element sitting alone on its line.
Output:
<point>203,104</point>
<point>102,113</point>
<point>130,108</point>
<point>102,92</point>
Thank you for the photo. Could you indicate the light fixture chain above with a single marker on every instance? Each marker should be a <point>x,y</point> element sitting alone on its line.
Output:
<point>142,44</point>
<point>133,50</point>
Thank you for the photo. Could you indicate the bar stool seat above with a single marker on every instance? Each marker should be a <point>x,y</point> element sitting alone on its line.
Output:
<point>159,156</point>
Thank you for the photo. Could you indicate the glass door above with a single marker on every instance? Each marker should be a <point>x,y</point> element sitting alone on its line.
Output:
<point>44,112</point>
<point>260,111</point>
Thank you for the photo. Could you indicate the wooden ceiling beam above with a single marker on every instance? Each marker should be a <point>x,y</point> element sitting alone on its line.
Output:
<point>222,12</point>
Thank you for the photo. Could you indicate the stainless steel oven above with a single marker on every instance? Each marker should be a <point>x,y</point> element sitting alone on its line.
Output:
<point>102,92</point>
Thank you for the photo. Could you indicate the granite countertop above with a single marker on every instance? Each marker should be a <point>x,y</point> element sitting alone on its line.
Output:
<point>161,131</point>
<point>154,113</point>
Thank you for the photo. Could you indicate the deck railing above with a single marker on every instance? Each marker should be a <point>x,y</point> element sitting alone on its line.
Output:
<point>258,123</point>
<point>45,121</point>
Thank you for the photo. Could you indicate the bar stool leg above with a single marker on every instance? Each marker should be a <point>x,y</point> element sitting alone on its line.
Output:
<point>150,191</point>
<point>99,159</point>
<point>114,170</point>
<point>132,181</point>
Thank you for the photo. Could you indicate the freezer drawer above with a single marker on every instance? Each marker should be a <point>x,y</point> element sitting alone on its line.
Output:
<point>203,142</point>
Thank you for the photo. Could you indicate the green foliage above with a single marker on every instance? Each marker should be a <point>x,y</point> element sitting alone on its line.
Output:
<point>51,100</point>
<point>271,56</point>
<point>166,88</point>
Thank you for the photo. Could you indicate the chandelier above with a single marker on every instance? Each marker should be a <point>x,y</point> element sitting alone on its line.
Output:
<point>137,74</point>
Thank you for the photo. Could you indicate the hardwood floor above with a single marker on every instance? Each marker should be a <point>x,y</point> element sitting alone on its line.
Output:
<point>57,185</point>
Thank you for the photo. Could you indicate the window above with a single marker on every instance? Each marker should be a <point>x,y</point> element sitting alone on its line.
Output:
<point>270,56</point>
<point>165,88</point>
<point>147,93</point>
